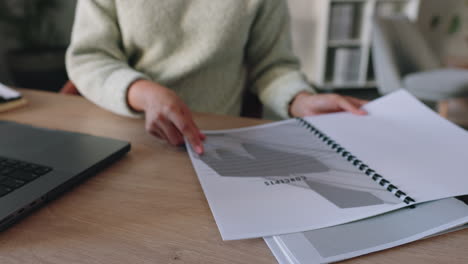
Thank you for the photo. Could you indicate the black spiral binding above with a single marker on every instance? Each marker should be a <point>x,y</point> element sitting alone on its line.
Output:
<point>358,163</point>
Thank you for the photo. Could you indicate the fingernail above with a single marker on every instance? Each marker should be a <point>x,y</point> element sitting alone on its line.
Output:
<point>199,149</point>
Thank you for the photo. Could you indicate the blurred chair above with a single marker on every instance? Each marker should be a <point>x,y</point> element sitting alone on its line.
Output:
<point>251,105</point>
<point>403,59</point>
<point>69,88</point>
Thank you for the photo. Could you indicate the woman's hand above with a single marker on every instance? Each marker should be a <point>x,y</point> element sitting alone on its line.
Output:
<point>166,116</point>
<point>306,104</point>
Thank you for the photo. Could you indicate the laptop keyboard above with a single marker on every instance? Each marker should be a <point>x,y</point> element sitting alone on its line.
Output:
<point>15,173</point>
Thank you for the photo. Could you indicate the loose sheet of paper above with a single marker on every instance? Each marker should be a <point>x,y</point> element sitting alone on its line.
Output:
<point>8,93</point>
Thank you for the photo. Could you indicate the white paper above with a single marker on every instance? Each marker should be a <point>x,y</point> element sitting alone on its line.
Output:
<point>407,143</point>
<point>8,93</point>
<point>372,234</point>
<point>279,178</point>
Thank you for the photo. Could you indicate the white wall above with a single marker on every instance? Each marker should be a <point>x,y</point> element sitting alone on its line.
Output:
<point>304,31</point>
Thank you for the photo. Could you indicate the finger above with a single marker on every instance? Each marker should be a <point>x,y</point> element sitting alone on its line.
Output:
<point>171,132</point>
<point>357,101</point>
<point>359,104</point>
<point>346,105</point>
<point>158,133</point>
<point>187,127</point>
<point>152,128</point>
<point>202,136</point>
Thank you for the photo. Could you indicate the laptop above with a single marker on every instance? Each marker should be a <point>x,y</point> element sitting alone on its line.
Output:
<point>37,164</point>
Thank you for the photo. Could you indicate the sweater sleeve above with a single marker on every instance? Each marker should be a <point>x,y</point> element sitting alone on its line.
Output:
<point>95,60</point>
<point>273,69</point>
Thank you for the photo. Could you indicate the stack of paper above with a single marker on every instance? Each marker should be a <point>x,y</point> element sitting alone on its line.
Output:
<point>369,235</point>
<point>314,187</point>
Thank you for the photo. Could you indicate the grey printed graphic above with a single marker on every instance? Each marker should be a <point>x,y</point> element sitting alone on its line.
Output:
<point>249,154</point>
<point>261,161</point>
<point>342,197</point>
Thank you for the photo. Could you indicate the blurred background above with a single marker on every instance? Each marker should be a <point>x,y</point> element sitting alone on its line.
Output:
<point>33,37</point>
<point>333,39</point>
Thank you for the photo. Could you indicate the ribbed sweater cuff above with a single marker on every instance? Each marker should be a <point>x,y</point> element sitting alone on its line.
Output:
<point>280,93</point>
<point>119,82</point>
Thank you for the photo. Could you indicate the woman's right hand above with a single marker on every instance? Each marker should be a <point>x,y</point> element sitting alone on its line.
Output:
<point>166,115</point>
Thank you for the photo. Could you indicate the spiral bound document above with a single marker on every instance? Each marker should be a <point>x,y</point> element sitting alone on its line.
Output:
<point>315,172</point>
<point>358,163</point>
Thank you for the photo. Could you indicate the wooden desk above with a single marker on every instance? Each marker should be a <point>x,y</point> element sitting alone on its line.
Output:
<point>149,207</point>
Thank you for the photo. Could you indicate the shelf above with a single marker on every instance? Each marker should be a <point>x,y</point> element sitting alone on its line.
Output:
<point>349,1</point>
<point>398,1</point>
<point>344,43</point>
<point>341,51</point>
<point>350,85</point>
<point>345,23</point>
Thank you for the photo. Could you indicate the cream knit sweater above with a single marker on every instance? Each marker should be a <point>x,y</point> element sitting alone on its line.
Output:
<point>207,51</point>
